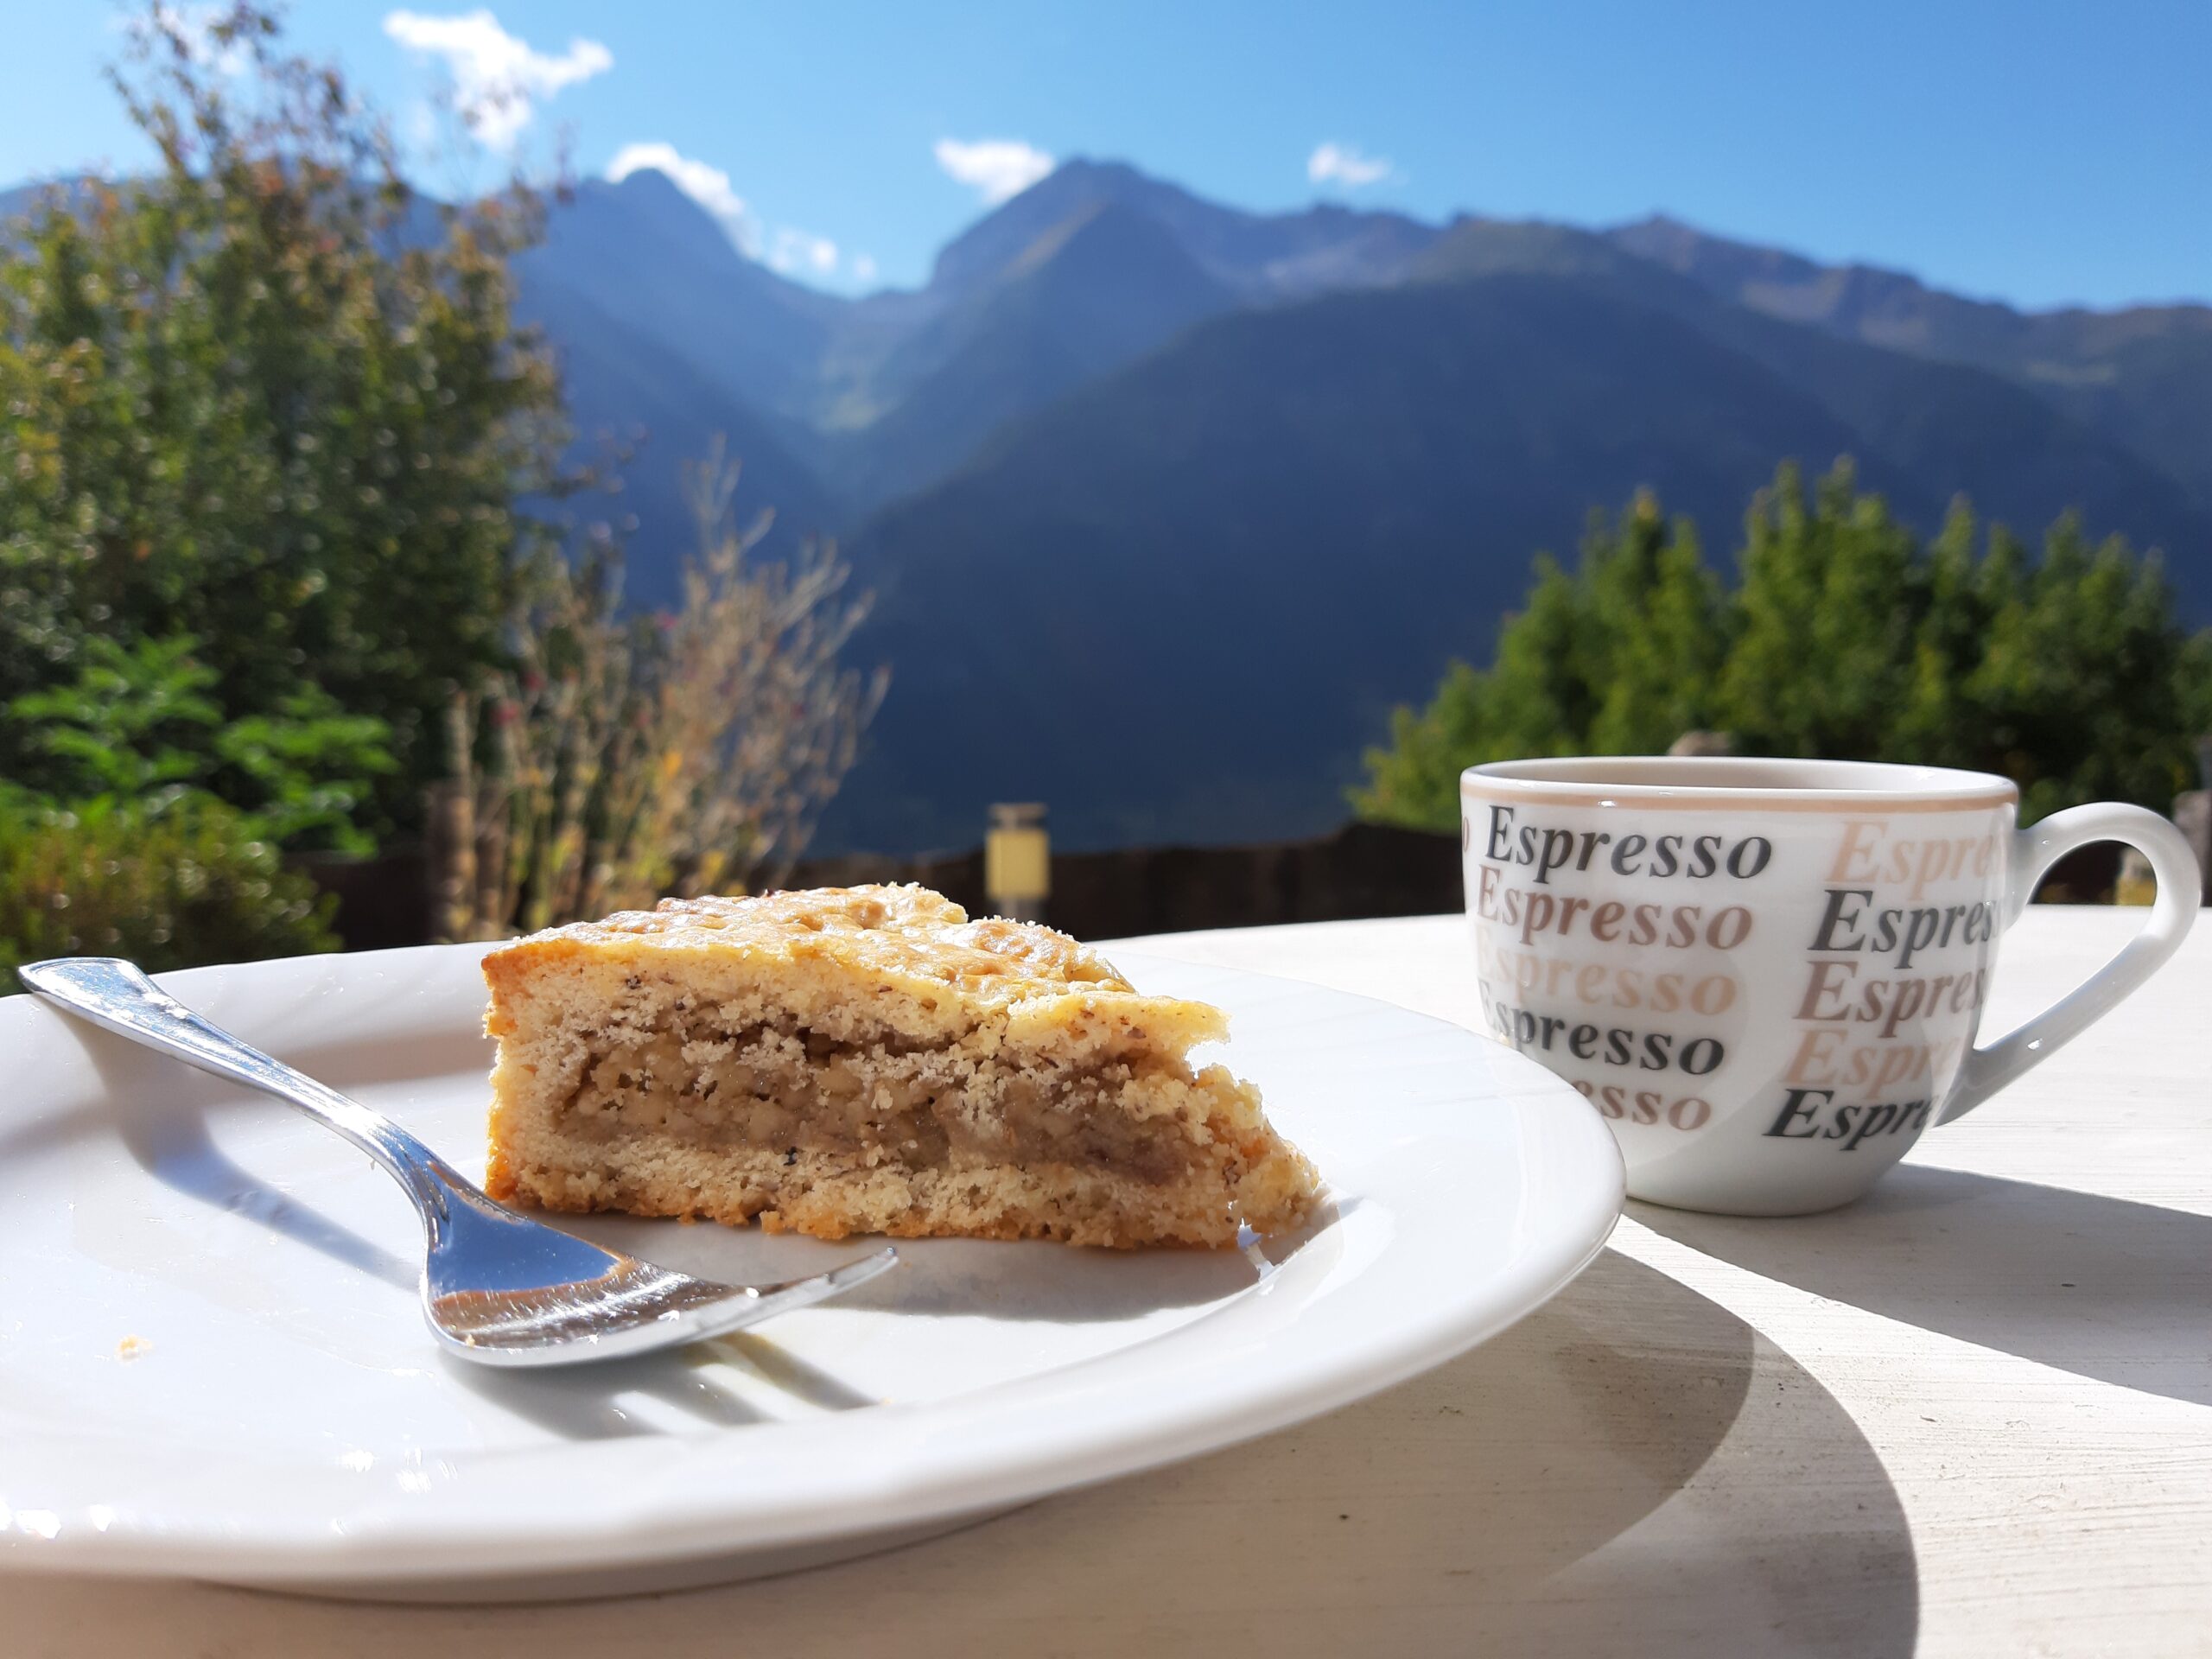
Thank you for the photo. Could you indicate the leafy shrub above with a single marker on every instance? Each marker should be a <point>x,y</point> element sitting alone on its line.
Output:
<point>168,882</point>
<point>141,719</point>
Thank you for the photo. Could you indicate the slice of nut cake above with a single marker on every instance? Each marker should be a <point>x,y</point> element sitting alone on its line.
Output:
<point>867,1059</point>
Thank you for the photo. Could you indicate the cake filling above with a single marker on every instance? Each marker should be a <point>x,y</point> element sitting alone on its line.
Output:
<point>780,1089</point>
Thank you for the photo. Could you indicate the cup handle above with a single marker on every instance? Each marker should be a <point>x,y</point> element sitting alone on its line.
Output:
<point>2035,849</point>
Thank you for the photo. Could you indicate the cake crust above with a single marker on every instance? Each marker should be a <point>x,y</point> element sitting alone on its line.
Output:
<point>869,1059</point>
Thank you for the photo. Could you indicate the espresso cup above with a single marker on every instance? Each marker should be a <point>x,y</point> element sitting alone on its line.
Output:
<point>1768,975</point>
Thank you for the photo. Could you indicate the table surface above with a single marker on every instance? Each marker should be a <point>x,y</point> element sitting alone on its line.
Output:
<point>1972,1415</point>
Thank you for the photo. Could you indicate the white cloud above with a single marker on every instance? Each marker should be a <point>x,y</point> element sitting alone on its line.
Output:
<point>794,250</point>
<point>997,169</point>
<point>1333,163</point>
<point>707,186</point>
<point>496,78</point>
<point>863,267</point>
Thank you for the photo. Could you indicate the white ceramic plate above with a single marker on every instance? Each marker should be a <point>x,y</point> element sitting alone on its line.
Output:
<point>212,1361</point>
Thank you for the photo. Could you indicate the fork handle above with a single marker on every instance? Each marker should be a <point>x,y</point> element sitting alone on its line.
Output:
<point>117,994</point>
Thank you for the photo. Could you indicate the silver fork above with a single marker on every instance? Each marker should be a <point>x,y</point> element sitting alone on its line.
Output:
<point>498,1288</point>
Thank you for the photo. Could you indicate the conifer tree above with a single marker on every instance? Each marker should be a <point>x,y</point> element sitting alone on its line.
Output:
<point>1937,723</point>
<point>1658,610</point>
<point>2082,687</point>
<point>1842,638</point>
<point>1822,664</point>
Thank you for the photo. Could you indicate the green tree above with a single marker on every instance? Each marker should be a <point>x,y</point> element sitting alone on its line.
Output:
<point>2084,688</point>
<point>1658,630</point>
<point>1821,663</point>
<point>1842,638</point>
<point>268,399</point>
<point>1957,596</point>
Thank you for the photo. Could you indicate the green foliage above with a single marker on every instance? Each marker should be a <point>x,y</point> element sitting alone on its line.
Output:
<point>269,400</point>
<point>2085,687</point>
<point>169,885</point>
<point>1822,651</point>
<point>139,720</point>
<point>1842,637</point>
<point>125,725</point>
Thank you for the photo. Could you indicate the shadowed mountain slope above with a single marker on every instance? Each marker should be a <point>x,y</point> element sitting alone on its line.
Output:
<point>1086,298</point>
<point>1177,604</point>
<point>2141,375</point>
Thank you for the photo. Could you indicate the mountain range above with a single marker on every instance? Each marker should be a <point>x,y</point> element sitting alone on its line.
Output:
<point>1166,503</point>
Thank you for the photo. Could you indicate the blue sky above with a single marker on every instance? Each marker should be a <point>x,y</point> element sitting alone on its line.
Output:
<point>2041,152</point>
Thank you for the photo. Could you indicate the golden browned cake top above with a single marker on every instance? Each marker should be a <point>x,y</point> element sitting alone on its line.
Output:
<point>897,932</point>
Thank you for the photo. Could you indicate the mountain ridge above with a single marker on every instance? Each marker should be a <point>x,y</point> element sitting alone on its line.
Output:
<point>2140,372</point>
<point>2140,377</point>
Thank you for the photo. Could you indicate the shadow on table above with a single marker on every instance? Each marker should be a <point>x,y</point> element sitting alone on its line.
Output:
<point>1632,1470</point>
<point>2103,1288</point>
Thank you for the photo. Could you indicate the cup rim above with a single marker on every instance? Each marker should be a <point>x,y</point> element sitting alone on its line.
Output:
<point>1772,782</point>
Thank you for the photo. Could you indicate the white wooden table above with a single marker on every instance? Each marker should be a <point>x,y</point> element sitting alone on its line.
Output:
<point>1971,1415</point>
